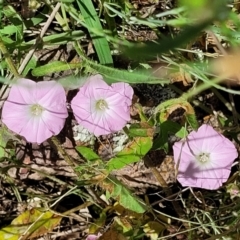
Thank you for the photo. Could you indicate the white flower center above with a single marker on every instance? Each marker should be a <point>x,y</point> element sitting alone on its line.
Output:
<point>203,157</point>
<point>101,105</point>
<point>36,110</point>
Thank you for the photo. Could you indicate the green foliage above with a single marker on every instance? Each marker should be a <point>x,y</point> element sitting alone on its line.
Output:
<point>149,50</point>
<point>202,17</point>
<point>118,191</point>
<point>202,9</point>
<point>167,128</point>
<point>5,136</point>
<point>112,75</point>
<point>92,21</point>
<point>54,67</point>
<point>30,65</point>
<point>88,153</point>
<point>17,24</point>
<point>133,152</point>
<point>105,24</point>
<point>192,120</point>
<point>140,130</point>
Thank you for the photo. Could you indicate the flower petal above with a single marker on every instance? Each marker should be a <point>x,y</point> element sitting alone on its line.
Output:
<point>210,174</point>
<point>209,179</point>
<point>102,121</point>
<point>95,87</point>
<point>54,122</point>
<point>17,110</point>
<point>51,95</point>
<point>22,92</point>
<point>125,90</point>
<point>36,131</point>
<point>18,119</point>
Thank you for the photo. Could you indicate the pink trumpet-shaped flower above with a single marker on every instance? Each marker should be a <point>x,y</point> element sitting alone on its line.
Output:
<point>204,159</point>
<point>101,108</point>
<point>35,111</point>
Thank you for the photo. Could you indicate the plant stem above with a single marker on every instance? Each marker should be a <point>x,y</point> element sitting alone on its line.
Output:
<point>8,59</point>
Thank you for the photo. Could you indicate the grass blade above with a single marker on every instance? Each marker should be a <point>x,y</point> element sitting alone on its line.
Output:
<point>100,43</point>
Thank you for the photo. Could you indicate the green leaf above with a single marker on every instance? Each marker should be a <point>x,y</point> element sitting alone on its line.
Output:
<point>87,153</point>
<point>5,136</point>
<point>118,191</point>
<point>33,21</point>
<point>112,75</point>
<point>161,141</point>
<point>7,40</point>
<point>192,120</point>
<point>16,20</point>
<point>133,152</point>
<point>92,20</point>
<point>53,39</point>
<point>31,65</point>
<point>141,130</point>
<point>148,50</point>
<point>8,30</point>
<point>53,67</point>
<point>67,1</point>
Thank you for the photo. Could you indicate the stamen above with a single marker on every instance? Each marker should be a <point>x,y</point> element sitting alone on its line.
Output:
<point>36,109</point>
<point>101,104</point>
<point>203,157</point>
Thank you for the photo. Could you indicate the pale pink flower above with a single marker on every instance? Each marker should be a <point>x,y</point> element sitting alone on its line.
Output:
<point>93,236</point>
<point>205,158</point>
<point>35,111</point>
<point>101,108</point>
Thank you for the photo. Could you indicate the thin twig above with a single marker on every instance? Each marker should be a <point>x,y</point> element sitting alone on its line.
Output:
<point>42,33</point>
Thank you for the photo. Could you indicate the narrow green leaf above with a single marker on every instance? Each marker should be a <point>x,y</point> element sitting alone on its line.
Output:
<point>15,19</point>
<point>112,75</point>
<point>87,153</point>
<point>31,65</point>
<point>53,67</point>
<point>148,50</point>
<point>161,141</point>
<point>53,39</point>
<point>72,82</point>
<point>100,43</point>
<point>36,19</point>
<point>118,191</point>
